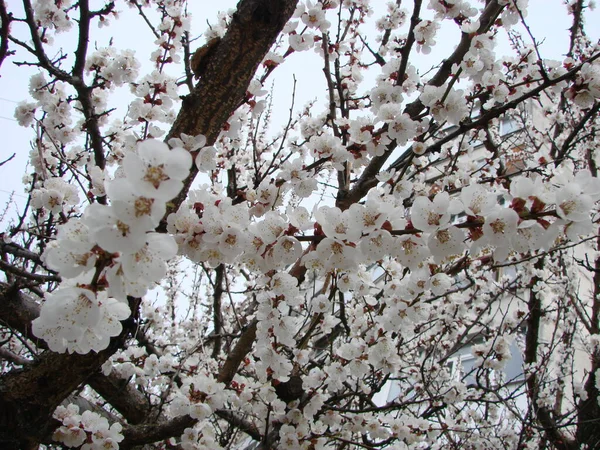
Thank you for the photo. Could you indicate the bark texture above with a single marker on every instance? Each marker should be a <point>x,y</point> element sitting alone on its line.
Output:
<point>228,72</point>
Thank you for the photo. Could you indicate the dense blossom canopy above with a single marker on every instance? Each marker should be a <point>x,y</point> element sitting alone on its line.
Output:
<point>409,261</point>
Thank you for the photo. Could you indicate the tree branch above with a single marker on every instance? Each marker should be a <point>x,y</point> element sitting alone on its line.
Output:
<point>532,340</point>
<point>217,315</point>
<point>564,150</point>
<point>84,37</point>
<point>577,26</point>
<point>153,432</point>
<point>6,18</point>
<point>368,178</point>
<point>13,358</point>
<point>493,113</point>
<point>410,40</point>
<point>29,396</point>
<point>11,268</point>
<point>122,396</point>
<point>237,355</point>
<point>253,29</point>
<point>17,310</point>
<point>588,416</point>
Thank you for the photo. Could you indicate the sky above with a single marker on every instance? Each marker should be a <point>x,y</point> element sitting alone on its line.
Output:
<point>547,20</point>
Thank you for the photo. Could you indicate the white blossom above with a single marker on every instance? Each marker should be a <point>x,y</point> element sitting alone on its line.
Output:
<point>155,171</point>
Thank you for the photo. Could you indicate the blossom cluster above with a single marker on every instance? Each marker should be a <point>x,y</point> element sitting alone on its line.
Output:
<point>54,195</point>
<point>77,319</point>
<point>385,284</point>
<point>199,396</point>
<point>523,226</point>
<point>115,244</point>
<point>86,431</point>
<point>53,15</point>
<point>211,228</point>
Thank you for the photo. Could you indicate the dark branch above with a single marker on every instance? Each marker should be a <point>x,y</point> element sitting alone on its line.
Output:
<point>148,433</point>
<point>6,18</point>
<point>532,341</point>
<point>237,355</point>
<point>253,29</point>
<point>368,178</point>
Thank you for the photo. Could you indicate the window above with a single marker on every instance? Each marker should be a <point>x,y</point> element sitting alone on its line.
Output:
<point>462,366</point>
<point>509,125</point>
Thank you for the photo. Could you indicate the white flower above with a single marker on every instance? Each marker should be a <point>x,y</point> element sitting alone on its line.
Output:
<point>313,262</point>
<point>299,217</point>
<point>419,148</point>
<point>577,230</point>
<point>97,179</point>
<point>70,254</point>
<point>234,214</point>
<point>477,200</point>
<point>206,160</point>
<point>454,107</point>
<point>500,225</point>
<point>189,143</point>
<point>200,411</point>
<point>301,42</point>
<point>430,216</point>
<point>385,93</point>
<point>300,180</point>
<point>410,251</point>
<point>73,306</point>
<point>283,283</point>
<point>446,242</point>
<point>115,68</point>
<point>376,245</point>
<point>425,32</point>
<point>233,242</point>
<point>400,126</point>
<point>440,283</point>
<point>270,228</point>
<point>53,15</point>
<point>335,254</point>
<point>287,250</point>
<point>77,320</point>
<point>338,224</point>
<point>148,264</point>
<point>329,146</point>
<point>111,233</point>
<point>78,429</point>
<point>25,113</point>
<point>314,17</point>
<point>98,337</point>
<point>71,436</point>
<point>530,236</point>
<point>267,194</point>
<point>346,281</point>
<point>368,217</point>
<point>403,189</point>
<point>211,255</point>
<point>499,228</point>
<point>54,195</point>
<point>526,188</point>
<point>155,171</point>
<point>132,208</point>
<point>572,204</point>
